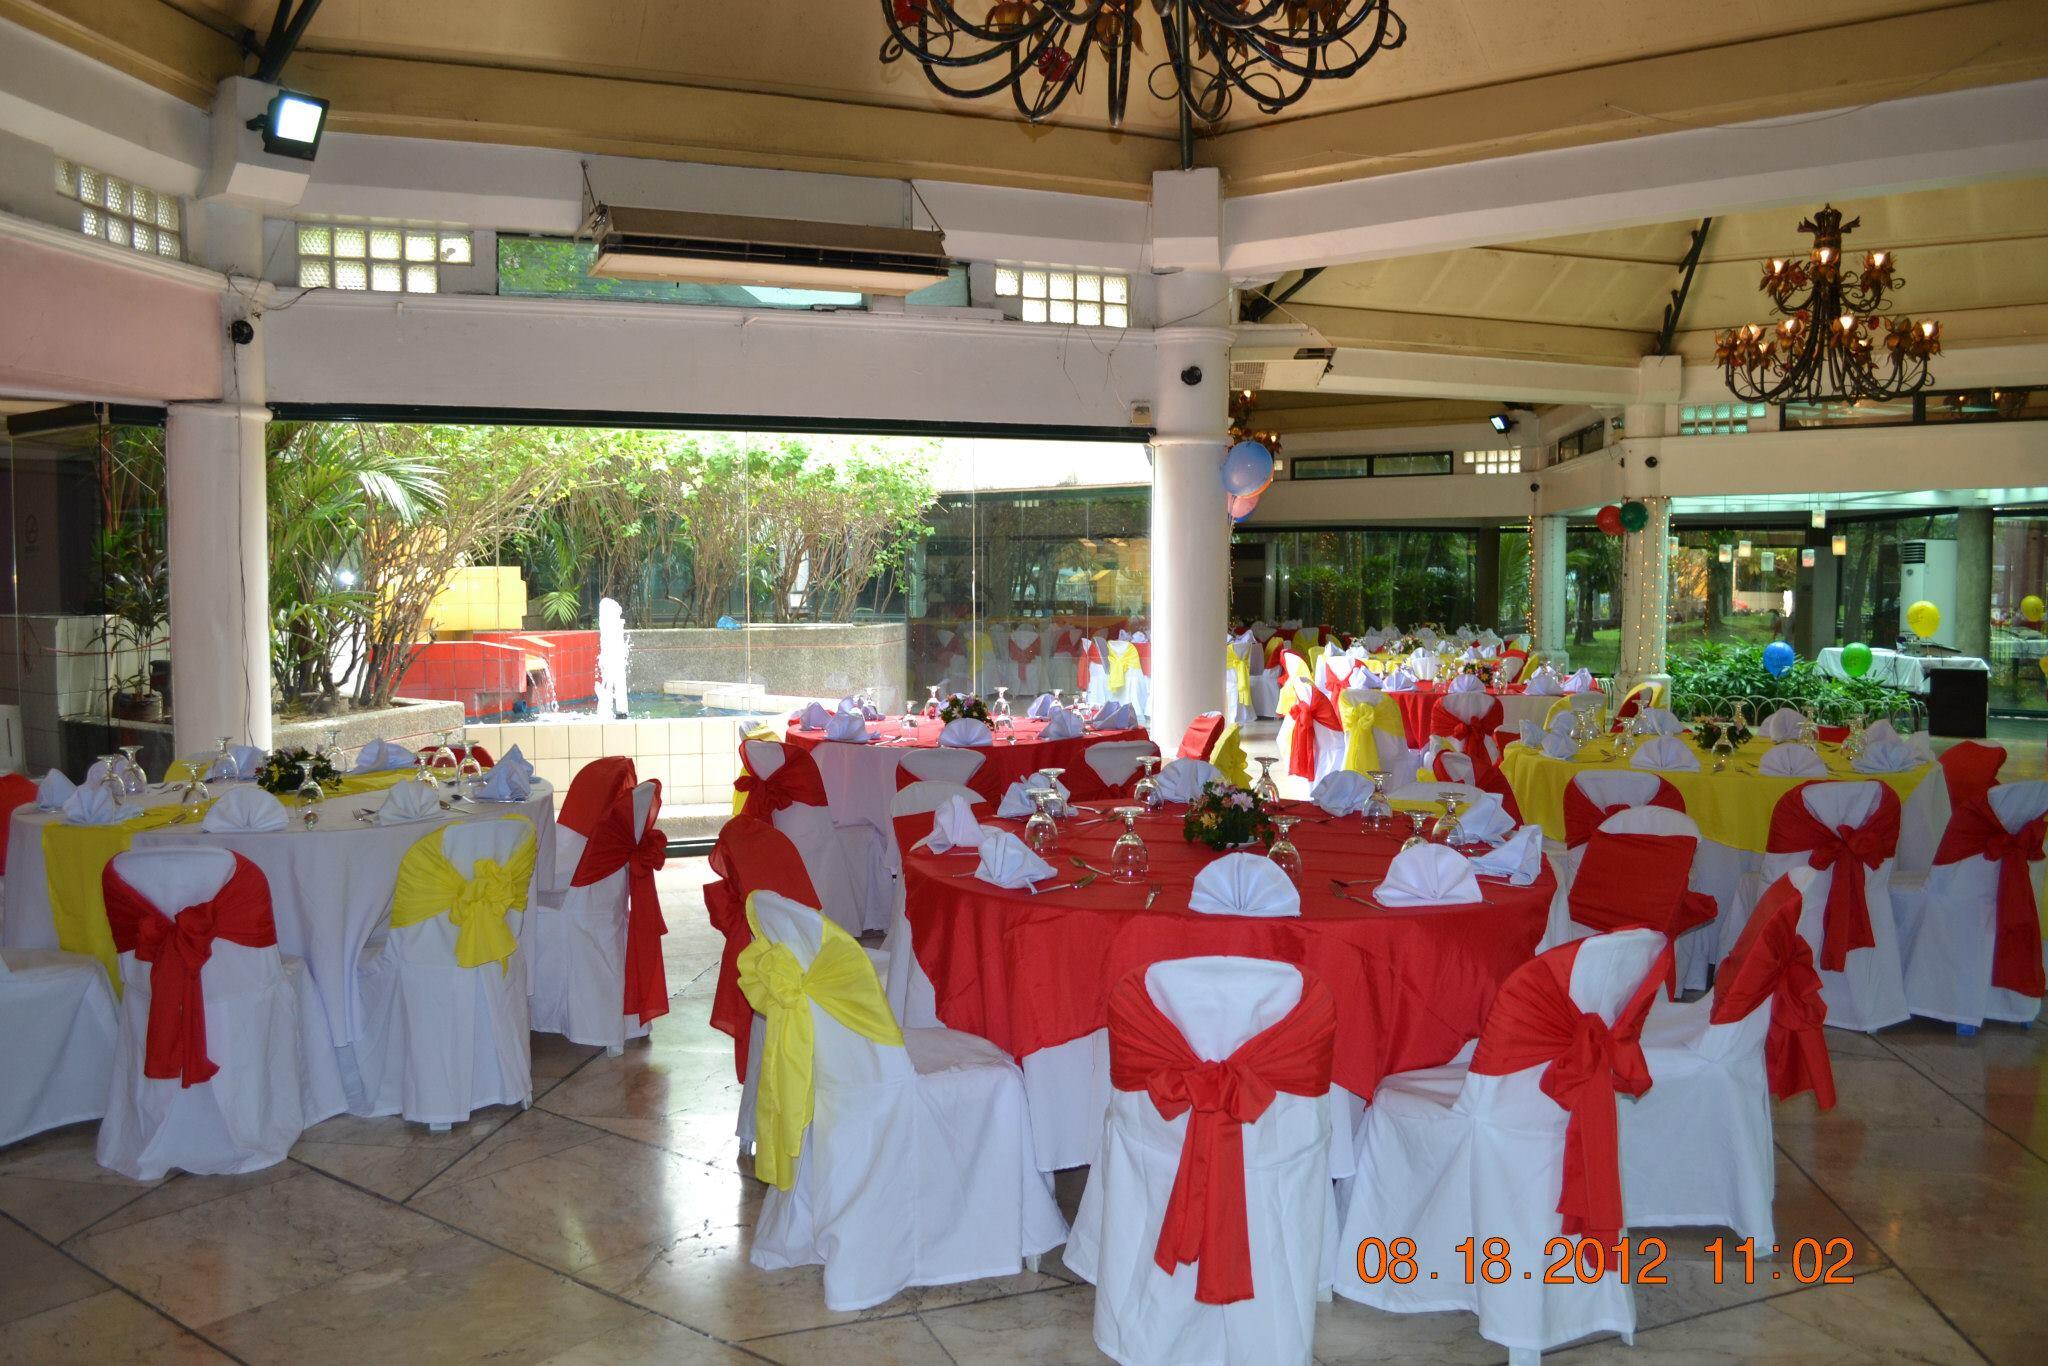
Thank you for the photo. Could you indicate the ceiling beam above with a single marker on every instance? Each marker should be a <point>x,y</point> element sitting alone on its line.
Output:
<point>1355,370</point>
<point>1460,336</point>
<point>1675,310</point>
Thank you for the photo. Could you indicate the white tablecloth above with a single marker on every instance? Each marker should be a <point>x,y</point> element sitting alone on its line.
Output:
<point>330,888</point>
<point>1900,671</point>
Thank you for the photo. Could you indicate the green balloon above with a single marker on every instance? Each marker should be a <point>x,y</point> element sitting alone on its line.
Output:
<point>1856,659</point>
<point>1634,516</point>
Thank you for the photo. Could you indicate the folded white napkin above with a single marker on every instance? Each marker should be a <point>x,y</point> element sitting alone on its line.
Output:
<point>849,727</point>
<point>1667,754</point>
<point>1342,792</point>
<point>1465,683</point>
<point>53,791</point>
<point>1580,681</point>
<point>1428,875</point>
<point>1401,680</point>
<point>1889,756</point>
<point>1561,724</point>
<point>245,808</point>
<point>1007,861</point>
<point>244,762</point>
<point>1781,725</point>
<point>965,733</point>
<point>381,756</point>
<point>1530,734</point>
<point>1518,859</point>
<point>510,779</point>
<point>1792,760</point>
<point>1543,683</point>
<point>1182,780</point>
<point>1486,818</point>
<point>814,716</point>
<point>92,805</point>
<point>1879,730</point>
<point>1369,683</point>
<point>1244,884</point>
<point>1659,721</point>
<point>1560,746</point>
<point>1063,725</point>
<point>1422,664</point>
<point>953,827</point>
<point>1472,654</point>
<point>853,706</point>
<point>409,802</point>
<point>515,758</point>
<point>1016,805</point>
<point>100,768</point>
<point>1042,706</point>
<point>1116,716</point>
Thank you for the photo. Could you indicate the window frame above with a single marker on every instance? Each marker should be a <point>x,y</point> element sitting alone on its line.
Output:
<point>408,266</point>
<point>97,217</point>
<point>1296,464</point>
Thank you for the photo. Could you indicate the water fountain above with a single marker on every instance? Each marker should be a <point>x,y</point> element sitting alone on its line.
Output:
<point>611,660</point>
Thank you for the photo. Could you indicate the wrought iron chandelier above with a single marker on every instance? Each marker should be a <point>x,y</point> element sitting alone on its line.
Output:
<point>1269,51</point>
<point>1830,340</point>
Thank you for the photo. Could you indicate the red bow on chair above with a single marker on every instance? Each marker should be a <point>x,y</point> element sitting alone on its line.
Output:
<point>1849,850</point>
<point>1205,1221</point>
<point>796,783</point>
<point>1582,816</point>
<point>1974,830</point>
<point>1087,658</point>
<point>176,950</point>
<point>1534,1020</point>
<point>614,845</point>
<point>1314,708</point>
<point>1772,967</point>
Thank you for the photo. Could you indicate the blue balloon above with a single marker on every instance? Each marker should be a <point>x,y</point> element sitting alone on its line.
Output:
<point>1247,468</point>
<point>1778,657</point>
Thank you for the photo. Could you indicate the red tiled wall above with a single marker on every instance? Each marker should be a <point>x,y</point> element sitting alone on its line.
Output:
<point>571,657</point>
<point>486,677</point>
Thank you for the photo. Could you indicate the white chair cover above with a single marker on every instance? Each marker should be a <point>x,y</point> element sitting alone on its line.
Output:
<point>1870,992</point>
<point>57,1015</point>
<point>916,1168</point>
<point>575,950</point>
<point>1948,932</point>
<point>1137,688</point>
<point>1144,1317</point>
<point>941,765</point>
<point>265,1031</point>
<point>441,1040</point>
<point>847,864</point>
<point>904,982</point>
<point>1330,740</point>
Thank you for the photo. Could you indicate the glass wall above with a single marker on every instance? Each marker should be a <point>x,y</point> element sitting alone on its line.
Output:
<point>2019,648</point>
<point>1352,578</point>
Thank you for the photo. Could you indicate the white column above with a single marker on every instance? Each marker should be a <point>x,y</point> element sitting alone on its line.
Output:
<point>1190,529</point>
<point>1645,596</point>
<point>1546,587</point>
<point>214,514</point>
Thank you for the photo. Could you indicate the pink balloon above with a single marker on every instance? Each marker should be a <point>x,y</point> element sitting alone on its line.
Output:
<point>1240,506</point>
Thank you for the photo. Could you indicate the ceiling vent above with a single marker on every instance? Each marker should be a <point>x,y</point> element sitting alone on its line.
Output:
<point>718,249</point>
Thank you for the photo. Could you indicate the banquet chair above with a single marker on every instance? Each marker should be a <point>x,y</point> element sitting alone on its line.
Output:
<point>1697,1148</point>
<point>594,973</point>
<point>1127,681</point>
<point>847,866</point>
<point>1025,655</point>
<point>1245,665</point>
<point>908,989</point>
<point>1971,941</point>
<point>445,1024</point>
<point>1479,1148</point>
<point>1589,700</point>
<point>1847,832</point>
<point>1636,868</point>
<point>1511,664</point>
<point>1091,670</point>
<point>1229,1293</point>
<point>217,1068</point>
<point>1374,736</point>
<point>1115,762</point>
<point>1648,693</point>
<point>57,1015</point>
<point>1470,718</point>
<point>938,765</point>
<point>1312,740</point>
<point>893,1157</point>
<point>1969,768</point>
<point>592,793</point>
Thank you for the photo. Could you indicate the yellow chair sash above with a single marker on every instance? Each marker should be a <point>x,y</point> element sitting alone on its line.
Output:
<point>1241,669</point>
<point>74,856</point>
<point>1655,697</point>
<point>429,885</point>
<point>1307,639</point>
<point>1122,655</point>
<point>1229,757</point>
<point>841,981</point>
<point>1556,709</point>
<point>1361,718</point>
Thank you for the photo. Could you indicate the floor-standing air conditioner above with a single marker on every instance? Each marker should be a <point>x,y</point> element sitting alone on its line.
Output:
<point>1927,573</point>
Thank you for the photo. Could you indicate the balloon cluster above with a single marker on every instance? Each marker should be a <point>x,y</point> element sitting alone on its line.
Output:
<point>1247,472</point>
<point>1631,517</point>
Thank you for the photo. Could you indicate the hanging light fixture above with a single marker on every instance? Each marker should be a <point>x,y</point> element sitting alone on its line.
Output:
<point>1829,341</point>
<point>1840,544</point>
<point>1208,51</point>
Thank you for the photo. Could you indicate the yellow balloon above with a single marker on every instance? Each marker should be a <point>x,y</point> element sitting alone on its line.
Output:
<point>2032,608</point>
<point>1924,618</point>
<point>2043,662</point>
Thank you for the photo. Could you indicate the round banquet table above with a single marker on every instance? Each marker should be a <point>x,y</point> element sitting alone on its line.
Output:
<point>1419,704</point>
<point>860,780</point>
<point>330,887</point>
<point>1030,972</point>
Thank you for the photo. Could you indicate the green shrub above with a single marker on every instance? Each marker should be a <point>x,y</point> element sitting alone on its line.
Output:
<point>1705,679</point>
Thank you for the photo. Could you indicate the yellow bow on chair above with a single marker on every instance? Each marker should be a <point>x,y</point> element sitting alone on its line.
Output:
<point>1361,719</point>
<point>429,885</point>
<point>1122,655</point>
<point>841,981</point>
<point>1241,669</point>
<point>1229,757</point>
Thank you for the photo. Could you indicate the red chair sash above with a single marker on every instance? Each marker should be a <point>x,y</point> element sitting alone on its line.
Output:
<point>1024,656</point>
<point>1534,1021</point>
<point>594,791</point>
<point>616,844</point>
<point>1850,851</point>
<point>1582,815</point>
<point>1086,660</point>
<point>1144,649</point>
<point>1771,965</point>
<point>1974,830</point>
<point>1474,737</point>
<point>1315,709</point>
<point>796,783</point>
<point>15,791</point>
<point>1970,770</point>
<point>176,950</point>
<point>1205,1221</point>
<point>1199,742</point>
<point>1276,649</point>
<point>750,856</point>
<point>1628,879</point>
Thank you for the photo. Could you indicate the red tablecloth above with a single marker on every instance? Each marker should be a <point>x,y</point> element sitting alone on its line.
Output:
<point>1002,763</point>
<point>1418,704</point>
<point>1030,972</point>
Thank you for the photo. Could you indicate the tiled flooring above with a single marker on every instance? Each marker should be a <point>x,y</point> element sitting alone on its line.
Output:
<point>610,1224</point>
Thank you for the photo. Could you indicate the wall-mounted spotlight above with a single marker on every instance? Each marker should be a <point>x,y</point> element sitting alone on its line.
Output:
<point>1502,422</point>
<point>292,124</point>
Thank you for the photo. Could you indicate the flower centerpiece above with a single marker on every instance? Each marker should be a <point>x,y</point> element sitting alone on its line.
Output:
<point>282,771</point>
<point>1479,669</point>
<point>963,704</point>
<point>1406,645</point>
<point>1227,817</point>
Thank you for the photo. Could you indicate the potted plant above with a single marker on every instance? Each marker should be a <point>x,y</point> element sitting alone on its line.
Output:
<point>138,609</point>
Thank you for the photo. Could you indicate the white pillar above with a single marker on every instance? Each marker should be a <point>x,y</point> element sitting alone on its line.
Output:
<point>1645,596</point>
<point>214,514</point>
<point>1546,587</point>
<point>1190,529</point>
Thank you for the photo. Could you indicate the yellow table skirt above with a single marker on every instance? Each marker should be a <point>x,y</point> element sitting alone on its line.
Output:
<point>1732,807</point>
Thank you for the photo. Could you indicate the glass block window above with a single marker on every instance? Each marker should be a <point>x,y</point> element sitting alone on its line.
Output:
<point>386,259</point>
<point>1059,294</point>
<point>1507,461</point>
<point>125,214</point>
<point>1718,419</point>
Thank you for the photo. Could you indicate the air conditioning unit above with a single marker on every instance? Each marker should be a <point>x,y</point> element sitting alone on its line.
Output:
<point>718,249</point>
<point>1927,573</point>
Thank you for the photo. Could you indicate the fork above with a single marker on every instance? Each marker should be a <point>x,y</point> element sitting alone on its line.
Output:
<point>1337,890</point>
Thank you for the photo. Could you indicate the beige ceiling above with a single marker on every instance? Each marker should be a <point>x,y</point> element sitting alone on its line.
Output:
<point>1975,256</point>
<point>799,83</point>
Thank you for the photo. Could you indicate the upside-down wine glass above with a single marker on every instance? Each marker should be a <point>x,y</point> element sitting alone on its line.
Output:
<point>1265,789</point>
<point>1050,779</point>
<point>1448,829</point>
<point>224,763</point>
<point>192,799</point>
<point>310,794</point>
<point>444,753</point>
<point>133,781</point>
<point>1128,857</point>
<point>1416,821</point>
<point>1282,850</point>
<point>472,768</point>
<point>1041,832</point>
<point>110,777</point>
<point>1146,791</point>
<point>1378,812</point>
<point>932,705</point>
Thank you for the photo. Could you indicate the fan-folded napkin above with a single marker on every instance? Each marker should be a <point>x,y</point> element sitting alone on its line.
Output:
<point>1342,792</point>
<point>965,733</point>
<point>1667,754</point>
<point>1428,875</point>
<point>1007,861</point>
<point>1244,884</point>
<point>408,802</point>
<point>1182,780</point>
<point>245,808</point>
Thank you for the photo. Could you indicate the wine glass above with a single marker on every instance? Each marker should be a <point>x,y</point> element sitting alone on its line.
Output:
<point>1416,820</point>
<point>444,753</point>
<point>472,768</point>
<point>1128,857</point>
<point>192,799</point>
<point>133,780</point>
<point>224,764</point>
<point>1049,778</point>
<point>1282,850</point>
<point>932,705</point>
<point>309,794</point>
<point>1265,789</point>
<point>1041,832</point>
<point>1809,729</point>
<point>1146,792</point>
<point>1724,742</point>
<point>1853,744</point>
<point>110,777</point>
<point>1448,829</point>
<point>1378,812</point>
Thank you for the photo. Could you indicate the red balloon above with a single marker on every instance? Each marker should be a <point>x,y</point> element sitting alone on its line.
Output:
<point>1608,519</point>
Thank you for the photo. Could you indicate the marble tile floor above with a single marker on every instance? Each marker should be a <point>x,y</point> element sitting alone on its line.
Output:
<point>610,1224</point>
